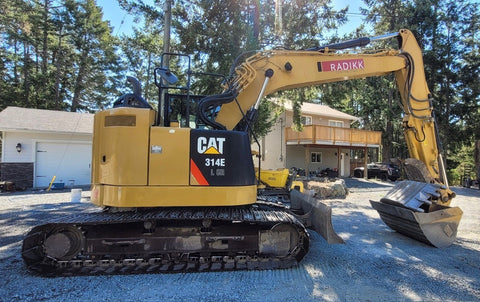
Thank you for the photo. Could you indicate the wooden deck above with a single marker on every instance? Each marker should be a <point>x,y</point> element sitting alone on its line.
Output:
<point>335,136</point>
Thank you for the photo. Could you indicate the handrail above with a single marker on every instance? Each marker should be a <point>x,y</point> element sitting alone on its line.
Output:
<point>321,134</point>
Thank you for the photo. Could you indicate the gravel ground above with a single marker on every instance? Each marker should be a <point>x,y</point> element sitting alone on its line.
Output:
<point>375,264</point>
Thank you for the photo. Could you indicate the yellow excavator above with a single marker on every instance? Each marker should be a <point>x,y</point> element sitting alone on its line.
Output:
<point>181,195</point>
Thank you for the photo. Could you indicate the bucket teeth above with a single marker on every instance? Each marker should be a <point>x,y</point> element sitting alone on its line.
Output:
<point>409,210</point>
<point>413,195</point>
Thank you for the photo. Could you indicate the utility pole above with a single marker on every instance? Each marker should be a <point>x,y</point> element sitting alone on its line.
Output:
<point>166,35</point>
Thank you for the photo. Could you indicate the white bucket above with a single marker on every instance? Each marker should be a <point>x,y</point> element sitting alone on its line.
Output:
<point>76,195</point>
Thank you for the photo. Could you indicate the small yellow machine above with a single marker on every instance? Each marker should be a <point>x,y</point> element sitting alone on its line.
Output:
<point>279,179</point>
<point>178,199</point>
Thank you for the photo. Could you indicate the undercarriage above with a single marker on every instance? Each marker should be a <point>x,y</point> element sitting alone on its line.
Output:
<point>261,236</point>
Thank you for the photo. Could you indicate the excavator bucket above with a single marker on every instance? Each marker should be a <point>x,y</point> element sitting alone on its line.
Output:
<point>314,215</point>
<point>408,209</point>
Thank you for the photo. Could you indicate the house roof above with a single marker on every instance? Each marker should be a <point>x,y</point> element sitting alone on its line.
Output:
<point>322,110</point>
<point>39,120</point>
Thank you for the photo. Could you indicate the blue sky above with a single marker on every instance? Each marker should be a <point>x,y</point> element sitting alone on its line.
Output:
<point>122,22</point>
<point>119,19</point>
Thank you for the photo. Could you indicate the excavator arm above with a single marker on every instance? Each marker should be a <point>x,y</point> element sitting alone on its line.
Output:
<point>271,71</point>
<point>274,70</point>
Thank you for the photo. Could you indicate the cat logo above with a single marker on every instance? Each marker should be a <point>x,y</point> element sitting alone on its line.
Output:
<point>211,145</point>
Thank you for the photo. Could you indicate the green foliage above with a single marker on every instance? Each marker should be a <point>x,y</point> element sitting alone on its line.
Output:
<point>215,32</point>
<point>60,54</point>
<point>446,31</point>
<point>459,161</point>
<point>94,51</point>
<point>141,55</point>
<point>270,112</point>
<point>56,55</point>
<point>451,63</point>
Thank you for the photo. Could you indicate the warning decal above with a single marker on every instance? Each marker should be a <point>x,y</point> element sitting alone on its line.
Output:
<point>197,174</point>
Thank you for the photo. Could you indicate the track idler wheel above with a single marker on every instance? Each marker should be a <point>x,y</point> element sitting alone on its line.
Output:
<point>46,244</point>
<point>63,243</point>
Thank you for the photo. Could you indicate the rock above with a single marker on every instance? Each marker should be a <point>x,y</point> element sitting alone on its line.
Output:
<point>327,188</point>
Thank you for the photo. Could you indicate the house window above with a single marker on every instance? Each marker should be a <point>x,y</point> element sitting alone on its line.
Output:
<point>306,120</point>
<point>316,157</point>
<point>335,124</point>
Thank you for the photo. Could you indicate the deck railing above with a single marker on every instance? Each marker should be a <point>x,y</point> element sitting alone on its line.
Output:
<point>327,135</point>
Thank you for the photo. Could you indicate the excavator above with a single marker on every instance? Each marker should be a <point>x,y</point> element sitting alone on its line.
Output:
<point>182,196</point>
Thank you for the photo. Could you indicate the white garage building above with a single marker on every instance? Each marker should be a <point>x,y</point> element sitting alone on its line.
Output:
<point>40,144</point>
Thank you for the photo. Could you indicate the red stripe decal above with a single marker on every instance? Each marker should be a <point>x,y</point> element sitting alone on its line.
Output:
<point>198,174</point>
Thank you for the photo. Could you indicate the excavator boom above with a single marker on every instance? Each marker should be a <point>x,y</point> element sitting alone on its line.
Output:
<point>286,69</point>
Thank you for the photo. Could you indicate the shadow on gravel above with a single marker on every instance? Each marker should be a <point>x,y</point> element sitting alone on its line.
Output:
<point>379,262</point>
<point>42,191</point>
<point>376,261</point>
<point>22,219</point>
<point>367,184</point>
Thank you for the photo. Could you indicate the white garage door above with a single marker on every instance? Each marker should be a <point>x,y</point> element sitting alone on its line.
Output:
<point>67,161</point>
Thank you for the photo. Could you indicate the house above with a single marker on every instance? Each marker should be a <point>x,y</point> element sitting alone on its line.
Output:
<point>325,144</point>
<point>39,144</point>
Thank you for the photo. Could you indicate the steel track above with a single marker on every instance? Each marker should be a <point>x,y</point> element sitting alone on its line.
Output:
<point>260,216</point>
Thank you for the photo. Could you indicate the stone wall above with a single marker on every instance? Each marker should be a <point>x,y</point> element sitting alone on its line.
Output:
<point>20,173</point>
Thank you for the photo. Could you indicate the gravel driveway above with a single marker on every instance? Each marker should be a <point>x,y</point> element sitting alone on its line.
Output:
<point>375,264</point>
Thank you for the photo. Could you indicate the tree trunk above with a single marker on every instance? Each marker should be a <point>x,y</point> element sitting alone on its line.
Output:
<point>477,159</point>
<point>45,94</point>
<point>79,81</point>
<point>387,149</point>
<point>58,67</point>
<point>26,73</point>
<point>45,40</point>
<point>147,84</point>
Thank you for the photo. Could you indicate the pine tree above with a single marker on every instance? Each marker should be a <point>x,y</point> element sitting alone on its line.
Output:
<point>94,53</point>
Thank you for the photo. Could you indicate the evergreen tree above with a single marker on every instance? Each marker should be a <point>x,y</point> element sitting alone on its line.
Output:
<point>56,54</point>
<point>446,31</point>
<point>141,55</point>
<point>96,66</point>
